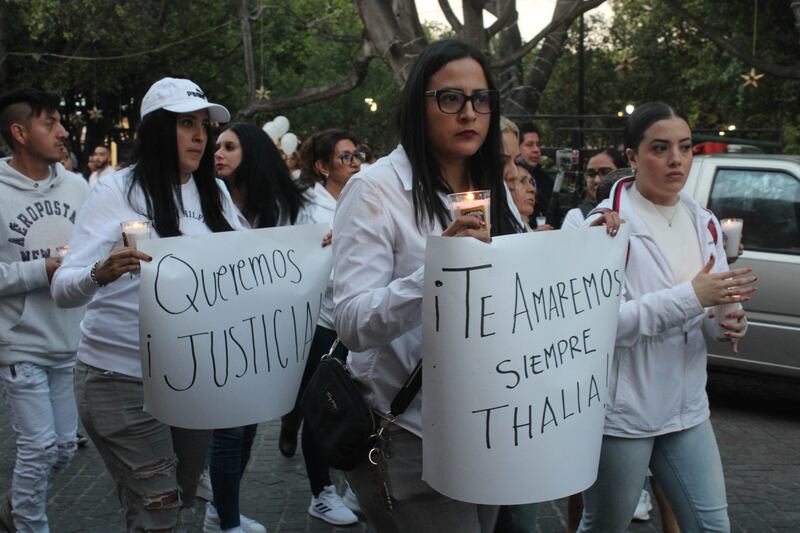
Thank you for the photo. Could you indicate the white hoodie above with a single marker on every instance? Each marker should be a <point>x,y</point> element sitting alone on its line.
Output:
<point>35,218</point>
<point>657,382</point>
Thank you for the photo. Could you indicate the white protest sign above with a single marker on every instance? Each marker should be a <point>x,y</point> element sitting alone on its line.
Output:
<point>518,339</point>
<point>226,321</point>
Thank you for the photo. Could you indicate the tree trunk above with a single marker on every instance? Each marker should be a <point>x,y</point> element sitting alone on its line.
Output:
<point>394,30</point>
<point>536,80</point>
<point>247,43</point>
<point>473,31</point>
<point>510,78</point>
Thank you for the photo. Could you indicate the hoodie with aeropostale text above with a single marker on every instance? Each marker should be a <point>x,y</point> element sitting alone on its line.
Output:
<point>36,217</point>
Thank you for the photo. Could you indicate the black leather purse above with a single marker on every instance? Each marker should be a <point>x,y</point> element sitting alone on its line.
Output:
<point>338,415</point>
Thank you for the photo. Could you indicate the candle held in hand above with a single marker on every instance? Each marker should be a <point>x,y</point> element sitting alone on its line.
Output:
<point>134,231</point>
<point>475,203</point>
<point>732,231</point>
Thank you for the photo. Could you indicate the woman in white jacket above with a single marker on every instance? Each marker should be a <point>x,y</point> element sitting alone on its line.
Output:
<point>155,466</point>
<point>658,413</point>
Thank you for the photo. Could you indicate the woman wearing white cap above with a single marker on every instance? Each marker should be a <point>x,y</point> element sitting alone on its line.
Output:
<point>172,185</point>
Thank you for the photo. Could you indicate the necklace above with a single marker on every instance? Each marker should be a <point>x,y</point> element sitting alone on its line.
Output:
<point>670,218</point>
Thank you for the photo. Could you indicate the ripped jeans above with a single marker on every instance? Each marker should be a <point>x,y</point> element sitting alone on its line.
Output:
<point>41,405</point>
<point>155,467</point>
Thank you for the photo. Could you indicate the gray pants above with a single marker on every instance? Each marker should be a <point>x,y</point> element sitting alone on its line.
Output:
<point>417,507</point>
<point>156,467</point>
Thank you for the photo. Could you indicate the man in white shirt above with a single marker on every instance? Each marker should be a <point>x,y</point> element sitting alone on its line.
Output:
<point>102,158</point>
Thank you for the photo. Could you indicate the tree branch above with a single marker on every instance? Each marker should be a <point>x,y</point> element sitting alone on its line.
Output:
<point>315,94</point>
<point>780,71</point>
<point>450,15</point>
<point>505,18</point>
<point>579,8</point>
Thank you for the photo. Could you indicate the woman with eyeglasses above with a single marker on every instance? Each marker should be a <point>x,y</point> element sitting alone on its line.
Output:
<point>449,128</point>
<point>328,159</point>
<point>598,167</point>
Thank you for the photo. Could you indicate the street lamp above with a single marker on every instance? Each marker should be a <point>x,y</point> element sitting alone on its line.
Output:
<point>629,108</point>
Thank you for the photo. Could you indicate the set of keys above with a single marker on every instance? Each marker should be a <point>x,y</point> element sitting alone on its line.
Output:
<point>382,451</point>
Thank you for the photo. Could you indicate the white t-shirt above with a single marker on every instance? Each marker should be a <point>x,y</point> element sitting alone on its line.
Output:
<point>95,176</point>
<point>670,226</point>
<point>110,328</point>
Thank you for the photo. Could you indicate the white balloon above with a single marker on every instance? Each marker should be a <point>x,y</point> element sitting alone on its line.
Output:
<point>282,124</point>
<point>272,130</point>
<point>289,143</point>
<point>266,125</point>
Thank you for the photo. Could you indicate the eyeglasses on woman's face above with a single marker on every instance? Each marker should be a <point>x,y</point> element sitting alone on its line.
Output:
<point>592,173</point>
<point>348,158</point>
<point>452,101</point>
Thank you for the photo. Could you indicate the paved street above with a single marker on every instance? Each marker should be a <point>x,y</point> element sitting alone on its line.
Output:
<point>757,423</point>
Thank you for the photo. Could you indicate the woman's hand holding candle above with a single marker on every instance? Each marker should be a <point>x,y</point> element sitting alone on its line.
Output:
<point>120,261</point>
<point>468,226</point>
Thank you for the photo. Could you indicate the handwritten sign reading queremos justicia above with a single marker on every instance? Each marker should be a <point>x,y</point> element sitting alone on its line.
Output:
<point>226,322</point>
<point>518,337</point>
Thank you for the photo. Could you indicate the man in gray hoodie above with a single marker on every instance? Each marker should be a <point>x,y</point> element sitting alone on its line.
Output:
<point>38,202</point>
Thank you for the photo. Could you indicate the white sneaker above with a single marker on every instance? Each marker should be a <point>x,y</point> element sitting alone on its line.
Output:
<point>204,491</point>
<point>350,500</point>
<point>246,525</point>
<point>644,507</point>
<point>328,506</point>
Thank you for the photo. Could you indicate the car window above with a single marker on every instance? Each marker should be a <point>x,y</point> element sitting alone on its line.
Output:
<point>767,200</point>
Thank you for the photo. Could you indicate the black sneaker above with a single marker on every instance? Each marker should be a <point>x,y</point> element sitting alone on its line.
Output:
<point>6,521</point>
<point>83,440</point>
<point>287,440</point>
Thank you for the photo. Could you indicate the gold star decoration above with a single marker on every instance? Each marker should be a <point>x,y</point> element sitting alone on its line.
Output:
<point>262,93</point>
<point>626,62</point>
<point>95,114</point>
<point>751,78</point>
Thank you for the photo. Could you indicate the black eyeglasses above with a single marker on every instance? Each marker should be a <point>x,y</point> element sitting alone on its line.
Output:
<point>452,101</point>
<point>347,157</point>
<point>594,172</point>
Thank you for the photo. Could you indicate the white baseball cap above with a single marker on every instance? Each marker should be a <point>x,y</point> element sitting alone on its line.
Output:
<point>180,96</point>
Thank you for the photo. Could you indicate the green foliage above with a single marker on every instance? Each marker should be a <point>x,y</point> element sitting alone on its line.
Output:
<point>676,65</point>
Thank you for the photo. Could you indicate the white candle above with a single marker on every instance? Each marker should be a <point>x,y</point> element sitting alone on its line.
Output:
<point>732,232</point>
<point>475,203</point>
<point>135,231</point>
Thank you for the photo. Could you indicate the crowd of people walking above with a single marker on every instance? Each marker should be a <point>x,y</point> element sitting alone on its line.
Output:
<point>69,289</point>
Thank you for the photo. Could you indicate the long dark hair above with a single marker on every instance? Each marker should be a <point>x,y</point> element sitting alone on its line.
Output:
<point>642,118</point>
<point>157,172</point>
<point>270,194</point>
<point>321,147</point>
<point>484,168</point>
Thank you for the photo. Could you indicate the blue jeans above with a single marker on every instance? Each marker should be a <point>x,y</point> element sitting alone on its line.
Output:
<point>686,464</point>
<point>230,452</point>
<point>41,405</point>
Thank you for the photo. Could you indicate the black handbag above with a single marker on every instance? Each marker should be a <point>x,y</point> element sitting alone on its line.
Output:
<point>340,418</point>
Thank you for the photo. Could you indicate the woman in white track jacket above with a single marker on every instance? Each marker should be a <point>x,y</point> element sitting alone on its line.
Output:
<point>676,269</point>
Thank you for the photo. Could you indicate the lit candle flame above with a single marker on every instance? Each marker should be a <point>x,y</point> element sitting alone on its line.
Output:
<point>470,196</point>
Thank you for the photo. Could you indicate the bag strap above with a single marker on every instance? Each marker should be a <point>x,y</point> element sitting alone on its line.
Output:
<point>407,392</point>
